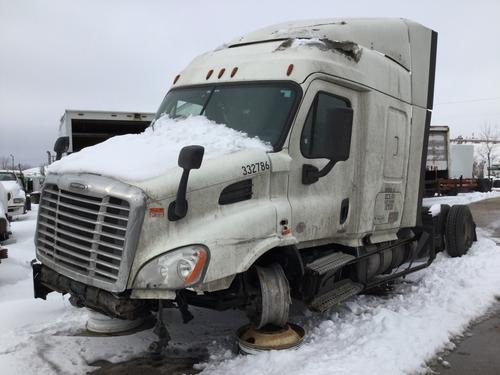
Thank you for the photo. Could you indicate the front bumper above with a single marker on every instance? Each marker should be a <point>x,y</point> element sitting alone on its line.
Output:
<point>46,280</point>
<point>15,210</point>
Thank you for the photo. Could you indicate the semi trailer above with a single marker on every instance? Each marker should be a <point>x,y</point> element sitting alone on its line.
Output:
<point>333,208</point>
<point>449,167</point>
<point>79,129</point>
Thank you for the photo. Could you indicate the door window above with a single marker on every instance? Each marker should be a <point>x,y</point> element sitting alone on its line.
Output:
<point>314,141</point>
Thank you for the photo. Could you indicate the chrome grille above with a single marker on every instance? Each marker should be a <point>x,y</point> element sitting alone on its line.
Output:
<point>83,233</point>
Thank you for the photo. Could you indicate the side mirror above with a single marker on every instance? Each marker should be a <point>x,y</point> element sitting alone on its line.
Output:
<point>190,157</point>
<point>331,142</point>
<point>61,146</point>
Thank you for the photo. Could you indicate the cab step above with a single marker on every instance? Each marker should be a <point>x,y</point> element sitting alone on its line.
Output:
<point>343,290</point>
<point>329,263</point>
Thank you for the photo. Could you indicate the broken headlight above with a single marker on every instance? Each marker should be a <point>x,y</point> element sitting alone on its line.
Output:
<point>174,270</point>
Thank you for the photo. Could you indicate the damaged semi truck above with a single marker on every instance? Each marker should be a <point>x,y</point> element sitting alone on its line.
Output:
<point>334,209</point>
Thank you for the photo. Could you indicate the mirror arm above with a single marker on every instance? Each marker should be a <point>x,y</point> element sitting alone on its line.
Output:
<point>178,208</point>
<point>311,174</point>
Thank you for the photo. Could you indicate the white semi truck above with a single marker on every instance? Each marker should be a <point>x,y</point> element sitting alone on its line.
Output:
<point>16,196</point>
<point>334,209</point>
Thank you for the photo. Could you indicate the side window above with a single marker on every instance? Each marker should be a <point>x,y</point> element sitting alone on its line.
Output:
<point>325,126</point>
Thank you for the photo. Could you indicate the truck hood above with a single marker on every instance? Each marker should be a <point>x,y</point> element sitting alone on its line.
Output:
<point>13,188</point>
<point>225,169</point>
<point>136,158</point>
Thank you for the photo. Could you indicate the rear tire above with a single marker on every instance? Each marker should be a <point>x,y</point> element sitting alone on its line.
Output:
<point>459,230</point>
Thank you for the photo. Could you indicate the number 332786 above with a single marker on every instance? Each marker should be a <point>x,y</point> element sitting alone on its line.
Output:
<point>255,168</point>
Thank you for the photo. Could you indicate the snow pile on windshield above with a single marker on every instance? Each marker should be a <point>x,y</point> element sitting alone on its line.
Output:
<point>137,157</point>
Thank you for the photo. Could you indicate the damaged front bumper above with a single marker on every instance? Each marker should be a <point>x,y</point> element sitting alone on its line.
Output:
<point>46,280</point>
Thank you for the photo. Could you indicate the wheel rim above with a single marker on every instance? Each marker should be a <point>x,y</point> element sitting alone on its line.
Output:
<point>275,296</point>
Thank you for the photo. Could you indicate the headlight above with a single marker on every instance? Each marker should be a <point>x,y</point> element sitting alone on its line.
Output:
<point>174,270</point>
<point>18,200</point>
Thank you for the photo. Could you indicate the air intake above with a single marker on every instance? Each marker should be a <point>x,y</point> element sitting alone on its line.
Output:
<point>237,192</point>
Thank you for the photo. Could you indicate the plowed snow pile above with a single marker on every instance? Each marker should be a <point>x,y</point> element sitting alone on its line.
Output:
<point>137,157</point>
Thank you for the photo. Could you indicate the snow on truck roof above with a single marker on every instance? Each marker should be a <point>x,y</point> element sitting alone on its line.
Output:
<point>356,49</point>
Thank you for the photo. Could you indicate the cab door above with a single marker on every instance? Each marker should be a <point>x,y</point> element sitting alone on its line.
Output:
<point>322,209</point>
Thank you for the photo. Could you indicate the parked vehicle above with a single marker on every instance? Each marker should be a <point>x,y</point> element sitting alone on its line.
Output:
<point>80,129</point>
<point>333,210</point>
<point>449,166</point>
<point>4,222</point>
<point>16,197</point>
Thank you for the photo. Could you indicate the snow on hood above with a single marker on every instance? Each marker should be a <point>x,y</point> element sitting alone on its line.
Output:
<point>138,157</point>
<point>12,187</point>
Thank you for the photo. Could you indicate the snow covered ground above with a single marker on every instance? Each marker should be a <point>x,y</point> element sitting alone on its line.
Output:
<point>392,334</point>
<point>462,198</point>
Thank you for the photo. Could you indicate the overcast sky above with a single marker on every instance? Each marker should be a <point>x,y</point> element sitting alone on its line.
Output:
<point>123,55</point>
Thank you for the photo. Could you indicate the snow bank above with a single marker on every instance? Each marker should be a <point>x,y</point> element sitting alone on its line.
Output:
<point>392,335</point>
<point>137,157</point>
<point>463,198</point>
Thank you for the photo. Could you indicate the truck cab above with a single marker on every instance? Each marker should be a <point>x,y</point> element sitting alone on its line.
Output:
<point>332,208</point>
<point>16,196</point>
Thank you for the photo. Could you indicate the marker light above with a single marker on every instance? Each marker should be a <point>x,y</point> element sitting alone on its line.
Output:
<point>289,70</point>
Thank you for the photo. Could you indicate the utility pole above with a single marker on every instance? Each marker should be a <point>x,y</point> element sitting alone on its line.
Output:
<point>12,156</point>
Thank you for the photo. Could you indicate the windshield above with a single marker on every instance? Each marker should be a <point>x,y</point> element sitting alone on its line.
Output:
<point>7,176</point>
<point>259,110</point>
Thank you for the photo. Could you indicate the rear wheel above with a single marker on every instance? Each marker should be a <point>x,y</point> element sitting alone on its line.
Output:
<point>459,230</point>
<point>273,298</point>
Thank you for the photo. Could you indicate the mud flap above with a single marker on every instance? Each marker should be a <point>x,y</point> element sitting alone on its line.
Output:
<point>39,289</point>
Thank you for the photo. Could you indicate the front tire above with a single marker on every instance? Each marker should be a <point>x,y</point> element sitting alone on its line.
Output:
<point>273,303</point>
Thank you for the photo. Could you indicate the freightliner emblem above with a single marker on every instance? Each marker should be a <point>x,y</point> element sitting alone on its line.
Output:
<point>77,185</point>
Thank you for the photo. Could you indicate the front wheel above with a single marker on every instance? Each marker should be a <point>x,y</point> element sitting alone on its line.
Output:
<point>273,300</point>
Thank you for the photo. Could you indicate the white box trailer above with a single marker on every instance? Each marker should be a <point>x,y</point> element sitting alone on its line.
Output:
<point>332,209</point>
<point>462,161</point>
<point>79,129</point>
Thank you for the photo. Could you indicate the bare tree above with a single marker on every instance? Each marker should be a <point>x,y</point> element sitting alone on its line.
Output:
<point>489,135</point>
<point>5,162</point>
